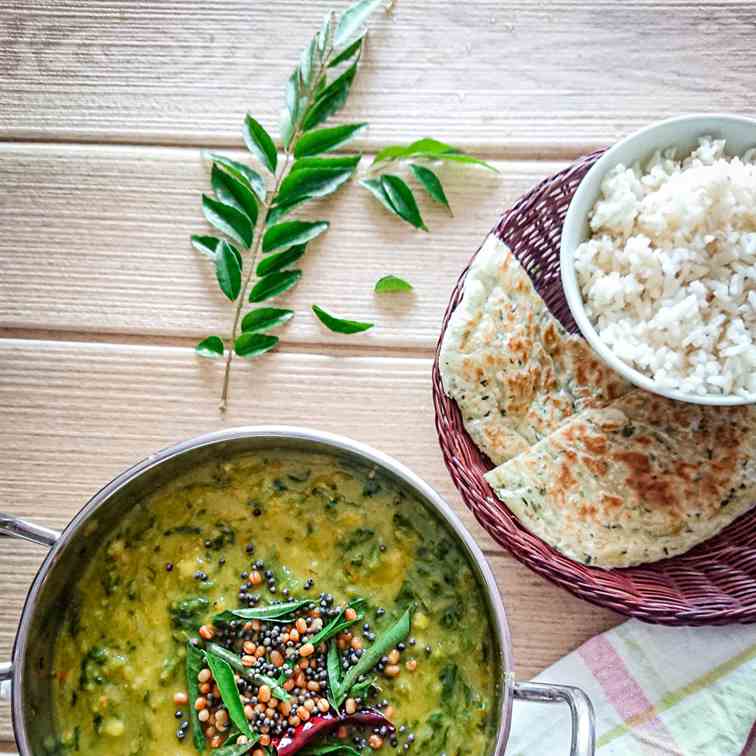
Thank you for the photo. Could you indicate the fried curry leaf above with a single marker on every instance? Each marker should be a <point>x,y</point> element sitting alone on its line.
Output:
<point>187,613</point>
<point>338,624</point>
<point>226,682</point>
<point>333,749</point>
<point>372,655</point>
<point>236,664</point>
<point>333,666</point>
<point>195,661</point>
<point>233,750</point>
<point>274,611</point>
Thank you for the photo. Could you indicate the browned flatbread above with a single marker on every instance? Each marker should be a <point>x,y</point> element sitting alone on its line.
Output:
<point>640,480</point>
<point>514,372</point>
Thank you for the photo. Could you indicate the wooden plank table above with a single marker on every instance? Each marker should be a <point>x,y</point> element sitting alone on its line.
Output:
<point>104,108</point>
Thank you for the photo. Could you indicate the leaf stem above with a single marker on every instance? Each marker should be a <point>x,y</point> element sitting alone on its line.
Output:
<point>270,199</point>
<point>251,263</point>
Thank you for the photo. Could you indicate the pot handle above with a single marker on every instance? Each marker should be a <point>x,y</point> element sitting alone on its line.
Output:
<point>15,527</point>
<point>583,740</point>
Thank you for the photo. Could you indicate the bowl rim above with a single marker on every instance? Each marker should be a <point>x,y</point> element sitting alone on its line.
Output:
<point>572,293</point>
<point>272,434</point>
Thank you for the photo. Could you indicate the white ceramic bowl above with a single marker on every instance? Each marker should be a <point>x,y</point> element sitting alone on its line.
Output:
<point>683,133</point>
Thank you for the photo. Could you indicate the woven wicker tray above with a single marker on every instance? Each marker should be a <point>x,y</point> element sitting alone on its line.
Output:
<point>714,583</point>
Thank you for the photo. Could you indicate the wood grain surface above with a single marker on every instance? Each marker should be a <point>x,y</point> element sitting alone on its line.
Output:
<point>96,240</point>
<point>105,106</point>
<point>554,77</point>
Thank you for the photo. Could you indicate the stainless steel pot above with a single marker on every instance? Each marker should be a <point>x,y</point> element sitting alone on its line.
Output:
<point>29,670</point>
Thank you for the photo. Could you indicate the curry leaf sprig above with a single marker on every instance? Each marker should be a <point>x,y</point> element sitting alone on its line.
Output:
<point>249,206</point>
<point>249,209</point>
<point>395,194</point>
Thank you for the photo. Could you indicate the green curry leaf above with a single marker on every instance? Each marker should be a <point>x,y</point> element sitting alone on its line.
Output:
<point>342,161</point>
<point>392,284</point>
<point>279,260</point>
<point>228,219</point>
<point>265,318</point>
<point>347,53</point>
<point>339,325</point>
<point>402,200</point>
<point>211,347</point>
<point>311,183</point>
<point>234,192</point>
<point>254,344</point>
<point>205,244</point>
<point>274,284</point>
<point>241,172</point>
<point>331,99</point>
<point>360,689</point>
<point>259,143</point>
<point>284,235</point>
<point>228,270</point>
<point>324,140</point>
<point>353,19</point>
<point>375,187</point>
<point>431,183</point>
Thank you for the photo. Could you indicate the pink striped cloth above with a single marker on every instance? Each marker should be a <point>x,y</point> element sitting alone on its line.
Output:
<point>656,690</point>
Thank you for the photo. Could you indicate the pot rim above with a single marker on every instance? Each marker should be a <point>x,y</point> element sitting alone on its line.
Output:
<point>273,433</point>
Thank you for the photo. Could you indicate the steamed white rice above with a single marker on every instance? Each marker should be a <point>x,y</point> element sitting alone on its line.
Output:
<point>669,275</point>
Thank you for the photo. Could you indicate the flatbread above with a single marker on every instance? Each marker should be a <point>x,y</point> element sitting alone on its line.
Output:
<point>514,372</point>
<point>640,480</point>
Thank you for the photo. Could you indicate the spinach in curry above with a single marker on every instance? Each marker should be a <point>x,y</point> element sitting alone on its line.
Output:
<point>312,527</point>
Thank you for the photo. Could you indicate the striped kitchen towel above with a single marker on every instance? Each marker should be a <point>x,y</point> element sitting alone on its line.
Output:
<point>656,690</point>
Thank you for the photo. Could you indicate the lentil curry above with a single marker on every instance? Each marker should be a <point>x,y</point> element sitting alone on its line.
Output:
<point>306,589</point>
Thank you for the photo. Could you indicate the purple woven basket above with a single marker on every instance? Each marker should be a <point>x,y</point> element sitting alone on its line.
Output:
<point>713,584</point>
